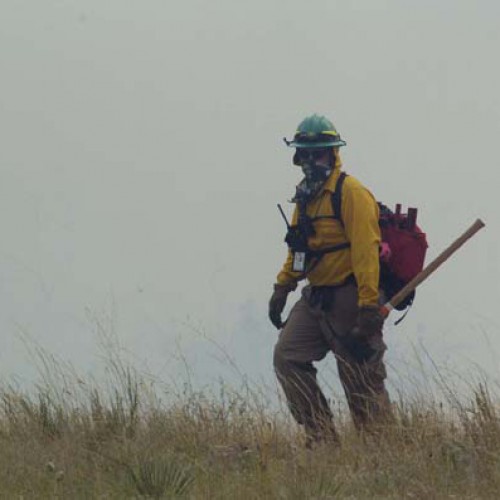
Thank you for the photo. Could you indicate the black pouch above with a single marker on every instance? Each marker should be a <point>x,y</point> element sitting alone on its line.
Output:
<point>321,297</point>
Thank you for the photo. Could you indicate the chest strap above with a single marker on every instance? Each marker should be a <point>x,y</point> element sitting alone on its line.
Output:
<point>317,255</point>
<point>323,251</point>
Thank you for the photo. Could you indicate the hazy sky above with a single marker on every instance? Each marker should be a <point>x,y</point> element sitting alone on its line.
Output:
<point>141,162</point>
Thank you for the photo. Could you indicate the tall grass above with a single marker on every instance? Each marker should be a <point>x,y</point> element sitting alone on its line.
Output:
<point>74,438</point>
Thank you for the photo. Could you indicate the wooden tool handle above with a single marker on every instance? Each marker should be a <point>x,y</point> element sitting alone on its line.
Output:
<point>431,267</point>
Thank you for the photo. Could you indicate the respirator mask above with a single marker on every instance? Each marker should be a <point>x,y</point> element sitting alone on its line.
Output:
<point>317,165</point>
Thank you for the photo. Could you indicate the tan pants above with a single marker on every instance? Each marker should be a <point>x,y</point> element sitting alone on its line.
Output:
<point>319,322</point>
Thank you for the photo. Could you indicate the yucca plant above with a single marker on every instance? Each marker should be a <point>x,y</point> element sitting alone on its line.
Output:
<point>162,477</point>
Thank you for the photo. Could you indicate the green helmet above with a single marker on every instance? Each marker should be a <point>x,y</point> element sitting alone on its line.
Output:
<point>316,132</point>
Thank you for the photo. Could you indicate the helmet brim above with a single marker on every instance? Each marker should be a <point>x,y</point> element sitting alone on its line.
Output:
<point>312,145</point>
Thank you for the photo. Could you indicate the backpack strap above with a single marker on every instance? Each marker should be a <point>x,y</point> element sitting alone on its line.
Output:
<point>334,248</point>
<point>337,198</point>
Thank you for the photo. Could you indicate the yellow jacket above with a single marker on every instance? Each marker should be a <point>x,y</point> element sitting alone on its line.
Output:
<point>360,217</point>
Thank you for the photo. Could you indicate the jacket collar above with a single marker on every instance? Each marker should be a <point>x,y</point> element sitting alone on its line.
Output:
<point>331,182</point>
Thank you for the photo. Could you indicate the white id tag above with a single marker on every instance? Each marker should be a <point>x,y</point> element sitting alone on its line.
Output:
<point>299,262</point>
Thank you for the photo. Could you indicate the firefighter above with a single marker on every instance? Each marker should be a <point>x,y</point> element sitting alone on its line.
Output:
<point>338,255</point>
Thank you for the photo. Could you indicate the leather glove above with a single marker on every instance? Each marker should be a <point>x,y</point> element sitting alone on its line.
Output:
<point>277,304</point>
<point>370,321</point>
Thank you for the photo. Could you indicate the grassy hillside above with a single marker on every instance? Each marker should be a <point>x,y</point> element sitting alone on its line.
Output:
<point>69,438</point>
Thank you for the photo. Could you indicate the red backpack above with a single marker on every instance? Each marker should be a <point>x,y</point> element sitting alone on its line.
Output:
<point>403,246</point>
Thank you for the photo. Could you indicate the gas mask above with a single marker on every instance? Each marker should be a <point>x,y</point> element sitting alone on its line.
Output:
<point>315,173</point>
<point>316,167</point>
<point>316,163</point>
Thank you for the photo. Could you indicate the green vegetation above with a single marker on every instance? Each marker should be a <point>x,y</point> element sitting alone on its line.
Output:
<point>69,439</point>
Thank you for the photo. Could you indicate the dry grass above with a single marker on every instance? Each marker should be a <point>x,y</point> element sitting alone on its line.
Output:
<point>70,439</point>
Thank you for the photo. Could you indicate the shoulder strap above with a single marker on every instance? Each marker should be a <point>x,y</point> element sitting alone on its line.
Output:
<point>337,198</point>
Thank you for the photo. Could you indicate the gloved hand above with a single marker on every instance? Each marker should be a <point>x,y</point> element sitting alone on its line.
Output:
<point>277,304</point>
<point>370,321</point>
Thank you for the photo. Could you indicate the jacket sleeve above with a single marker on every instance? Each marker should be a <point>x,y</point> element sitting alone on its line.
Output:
<point>286,276</point>
<point>360,214</point>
